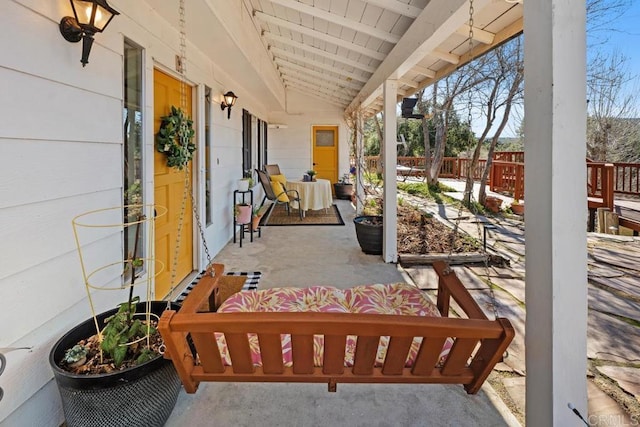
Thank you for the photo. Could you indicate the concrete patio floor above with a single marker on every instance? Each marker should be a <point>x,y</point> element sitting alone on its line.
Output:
<point>328,255</point>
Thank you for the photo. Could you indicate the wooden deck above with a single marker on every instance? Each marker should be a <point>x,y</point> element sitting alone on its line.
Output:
<point>615,186</point>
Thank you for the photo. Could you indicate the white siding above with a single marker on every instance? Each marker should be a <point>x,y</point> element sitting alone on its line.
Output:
<point>61,141</point>
<point>291,148</point>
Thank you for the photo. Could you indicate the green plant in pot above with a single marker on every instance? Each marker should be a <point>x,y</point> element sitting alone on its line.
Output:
<point>243,213</point>
<point>109,369</point>
<point>369,228</point>
<point>312,174</point>
<point>517,207</point>
<point>343,188</point>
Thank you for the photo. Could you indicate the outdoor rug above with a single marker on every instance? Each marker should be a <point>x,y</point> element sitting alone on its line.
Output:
<point>329,216</point>
<point>231,283</point>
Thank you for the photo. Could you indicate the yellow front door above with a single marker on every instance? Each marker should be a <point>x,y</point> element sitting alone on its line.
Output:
<point>169,184</point>
<point>325,152</point>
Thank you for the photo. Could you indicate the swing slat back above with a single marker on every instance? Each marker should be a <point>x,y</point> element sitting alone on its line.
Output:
<point>478,343</point>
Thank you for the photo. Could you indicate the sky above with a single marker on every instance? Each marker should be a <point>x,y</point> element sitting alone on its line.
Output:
<point>624,37</point>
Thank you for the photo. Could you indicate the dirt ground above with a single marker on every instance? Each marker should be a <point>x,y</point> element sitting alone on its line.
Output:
<point>419,233</point>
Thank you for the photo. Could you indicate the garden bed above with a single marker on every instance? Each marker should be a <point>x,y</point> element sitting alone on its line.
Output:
<point>419,233</point>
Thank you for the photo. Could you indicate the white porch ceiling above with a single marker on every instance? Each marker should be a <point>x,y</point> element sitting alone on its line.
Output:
<point>343,50</point>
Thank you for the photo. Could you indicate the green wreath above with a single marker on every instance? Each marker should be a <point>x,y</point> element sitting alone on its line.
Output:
<point>175,138</point>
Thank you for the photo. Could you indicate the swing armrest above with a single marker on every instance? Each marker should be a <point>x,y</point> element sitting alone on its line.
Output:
<point>206,291</point>
<point>449,286</point>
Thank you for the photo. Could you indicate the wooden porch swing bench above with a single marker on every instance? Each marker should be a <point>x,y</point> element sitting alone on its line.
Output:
<point>475,344</point>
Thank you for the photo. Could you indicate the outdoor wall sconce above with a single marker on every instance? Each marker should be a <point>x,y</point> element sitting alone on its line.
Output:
<point>228,100</point>
<point>90,17</point>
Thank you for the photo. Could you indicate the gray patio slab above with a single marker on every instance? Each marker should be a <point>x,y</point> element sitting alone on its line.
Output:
<point>627,377</point>
<point>611,339</point>
<point>515,287</point>
<point>498,272</point>
<point>607,302</point>
<point>469,278</point>
<point>600,270</point>
<point>626,285</point>
<point>517,250</point>
<point>603,410</point>
<point>516,387</point>
<point>423,275</point>
<point>509,308</point>
<point>617,257</point>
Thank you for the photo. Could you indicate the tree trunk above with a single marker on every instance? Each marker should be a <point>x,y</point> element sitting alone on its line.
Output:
<point>382,144</point>
<point>513,90</point>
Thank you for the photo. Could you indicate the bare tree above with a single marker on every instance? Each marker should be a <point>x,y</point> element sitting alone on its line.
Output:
<point>509,65</point>
<point>382,143</point>
<point>609,103</point>
<point>440,109</point>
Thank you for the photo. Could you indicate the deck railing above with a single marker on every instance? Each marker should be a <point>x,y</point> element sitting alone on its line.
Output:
<point>452,167</point>
<point>600,183</point>
<point>507,177</point>
<point>507,174</point>
<point>625,178</point>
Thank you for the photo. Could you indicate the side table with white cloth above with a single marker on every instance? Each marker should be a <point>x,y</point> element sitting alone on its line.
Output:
<point>314,195</point>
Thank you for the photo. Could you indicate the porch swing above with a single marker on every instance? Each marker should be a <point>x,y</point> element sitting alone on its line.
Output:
<point>345,338</point>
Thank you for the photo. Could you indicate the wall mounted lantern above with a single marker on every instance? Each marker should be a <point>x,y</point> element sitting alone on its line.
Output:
<point>228,100</point>
<point>89,17</point>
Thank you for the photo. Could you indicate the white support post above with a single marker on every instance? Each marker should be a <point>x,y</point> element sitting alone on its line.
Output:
<point>389,161</point>
<point>556,211</point>
<point>200,163</point>
<point>360,159</point>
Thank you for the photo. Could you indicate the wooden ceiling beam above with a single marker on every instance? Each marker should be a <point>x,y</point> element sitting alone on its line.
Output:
<point>338,19</point>
<point>397,7</point>
<point>479,35</point>
<point>338,58</point>
<point>320,35</point>
<point>284,54</point>
<point>335,80</point>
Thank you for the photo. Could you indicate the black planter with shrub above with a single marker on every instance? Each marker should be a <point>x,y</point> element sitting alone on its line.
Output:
<point>369,233</point>
<point>142,395</point>
<point>343,190</point>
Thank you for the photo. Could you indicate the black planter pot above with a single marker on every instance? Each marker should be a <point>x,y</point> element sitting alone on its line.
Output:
<point>369,233</point>
<point>343,191</point>
<point>142,395</point>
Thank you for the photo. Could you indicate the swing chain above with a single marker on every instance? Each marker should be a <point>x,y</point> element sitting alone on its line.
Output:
<point>198,221</point>
<point>468,194</point>
<point>494,302</point>
<point>188,190</point>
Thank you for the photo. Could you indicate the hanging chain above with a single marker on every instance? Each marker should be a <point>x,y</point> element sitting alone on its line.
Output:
<point>183,95</point>
<point>494,302</point>
<point>187,192</point>
<point>199,222</point>
<point>454,233</point>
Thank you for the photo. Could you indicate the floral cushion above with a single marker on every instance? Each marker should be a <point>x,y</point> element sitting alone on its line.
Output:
<point>399,299</point>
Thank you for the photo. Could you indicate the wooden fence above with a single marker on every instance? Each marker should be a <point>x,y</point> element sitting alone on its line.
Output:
<point>452,167</point>
<point>507,174</point>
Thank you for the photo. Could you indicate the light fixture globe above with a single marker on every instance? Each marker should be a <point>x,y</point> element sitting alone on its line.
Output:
<point>229,99</point>
<point>90,17</point>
